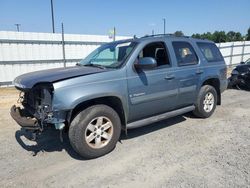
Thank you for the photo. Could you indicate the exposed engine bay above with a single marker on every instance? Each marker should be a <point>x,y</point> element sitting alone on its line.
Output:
<point>35,110</point>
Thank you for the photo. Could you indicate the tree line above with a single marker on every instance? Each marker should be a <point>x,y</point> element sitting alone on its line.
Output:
<point>219,36</point>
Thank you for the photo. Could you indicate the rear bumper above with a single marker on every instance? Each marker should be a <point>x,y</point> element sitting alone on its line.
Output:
<point>23,119</point>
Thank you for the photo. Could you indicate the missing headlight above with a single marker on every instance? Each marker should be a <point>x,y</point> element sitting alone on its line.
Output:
<point>38,100</point>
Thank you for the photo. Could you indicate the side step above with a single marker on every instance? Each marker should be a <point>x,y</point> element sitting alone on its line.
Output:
<point>160,117</point>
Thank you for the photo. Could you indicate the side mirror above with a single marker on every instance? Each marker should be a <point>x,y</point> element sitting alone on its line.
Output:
<point>146,63</point>
<point>242,63</point>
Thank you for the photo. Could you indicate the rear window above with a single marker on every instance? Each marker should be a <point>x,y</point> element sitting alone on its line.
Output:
<point>210,51</point>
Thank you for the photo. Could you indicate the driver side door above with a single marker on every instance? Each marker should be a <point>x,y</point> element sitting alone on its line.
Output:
<point>153,91</point>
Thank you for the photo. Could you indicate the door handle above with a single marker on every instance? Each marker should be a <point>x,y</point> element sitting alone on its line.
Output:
<point>169,77</point>
<point>199,71</point>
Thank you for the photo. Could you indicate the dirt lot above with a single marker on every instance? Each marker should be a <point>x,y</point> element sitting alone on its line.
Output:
<point>179,152</point>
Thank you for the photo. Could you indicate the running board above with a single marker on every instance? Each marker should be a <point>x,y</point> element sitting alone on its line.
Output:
<point>160,117</point>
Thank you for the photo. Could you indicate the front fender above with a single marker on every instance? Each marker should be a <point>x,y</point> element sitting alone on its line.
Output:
<point>68,97</point>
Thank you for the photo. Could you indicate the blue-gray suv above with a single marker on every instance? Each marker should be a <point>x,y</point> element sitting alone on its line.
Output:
<point>122,85</point>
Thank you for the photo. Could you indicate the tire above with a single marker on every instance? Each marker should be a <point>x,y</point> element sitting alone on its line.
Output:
<point>205,107</point>
<point>95,131</point>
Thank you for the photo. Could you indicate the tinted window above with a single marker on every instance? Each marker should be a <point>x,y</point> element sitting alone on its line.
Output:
<point>210,51</point>
<point>185,54</point>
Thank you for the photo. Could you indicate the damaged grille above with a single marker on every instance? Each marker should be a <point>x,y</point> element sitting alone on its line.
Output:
<point>37,101</point>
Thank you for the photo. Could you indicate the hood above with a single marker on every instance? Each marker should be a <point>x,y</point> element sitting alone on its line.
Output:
<point>243,68</point>
<point>28,80</point>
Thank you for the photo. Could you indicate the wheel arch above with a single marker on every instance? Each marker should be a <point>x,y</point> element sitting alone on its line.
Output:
<point>111,101</point>
<point>215,82</point>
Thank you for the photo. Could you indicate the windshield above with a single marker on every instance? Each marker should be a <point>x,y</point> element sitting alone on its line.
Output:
<point>110,55</point>
<point>248,62</point>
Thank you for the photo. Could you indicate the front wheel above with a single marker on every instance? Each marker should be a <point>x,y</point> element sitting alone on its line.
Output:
<point>206,102</point>
<point>95,131</point>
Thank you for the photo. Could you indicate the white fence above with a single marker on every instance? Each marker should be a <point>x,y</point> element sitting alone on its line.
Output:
<point>22,52</point>
<point>235,52</point>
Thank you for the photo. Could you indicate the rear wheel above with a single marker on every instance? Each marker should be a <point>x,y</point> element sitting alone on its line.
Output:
<point>206,102</point>
<point>95,131</point>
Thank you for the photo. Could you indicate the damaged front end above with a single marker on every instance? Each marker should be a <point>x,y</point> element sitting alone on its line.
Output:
<point>34,111</point>
<point>240,77</point>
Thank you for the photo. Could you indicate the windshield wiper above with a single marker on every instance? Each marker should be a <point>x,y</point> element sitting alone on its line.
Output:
<point>95,65</point>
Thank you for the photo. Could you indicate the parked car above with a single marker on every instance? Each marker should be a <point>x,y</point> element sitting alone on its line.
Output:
<point>123,85</point>
<point>240,76</point>
<point>247,62</point>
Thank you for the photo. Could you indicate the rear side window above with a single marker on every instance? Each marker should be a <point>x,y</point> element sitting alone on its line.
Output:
<point>185,54</point>
<point>210,51</point>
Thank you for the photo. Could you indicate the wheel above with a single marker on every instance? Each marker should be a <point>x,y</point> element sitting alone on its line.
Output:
<point>95,131</point>
<point>206,102</point>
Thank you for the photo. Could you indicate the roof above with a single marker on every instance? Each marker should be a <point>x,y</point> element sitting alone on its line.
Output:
<point>173,37</point>
<point>163,36</point>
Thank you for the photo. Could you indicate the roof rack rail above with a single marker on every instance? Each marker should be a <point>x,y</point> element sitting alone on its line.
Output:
<point>168,34</point>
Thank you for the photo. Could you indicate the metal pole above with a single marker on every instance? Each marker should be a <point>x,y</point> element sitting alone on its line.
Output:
<point>52,15</point>
<point>231,54</point>
<point>63,47</point>
<point>153,32</point>
<point>243,50</point>
<point>164,26</point>
<point>114,34</point>
<point>17,27</point>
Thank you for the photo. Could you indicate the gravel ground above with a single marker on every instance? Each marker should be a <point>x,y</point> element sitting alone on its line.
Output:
<point>179,152</point>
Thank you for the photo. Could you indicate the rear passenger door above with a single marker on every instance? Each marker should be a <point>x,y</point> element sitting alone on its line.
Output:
<point>187,72</point>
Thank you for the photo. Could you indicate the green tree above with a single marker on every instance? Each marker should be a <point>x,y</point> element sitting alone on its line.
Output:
<point>231,36</point>
<point>219,36</point>
<point>208,36</point>
<point>178,33</point>
<point>238,36</point>
<point>222,36</point>
<point>197,36</point>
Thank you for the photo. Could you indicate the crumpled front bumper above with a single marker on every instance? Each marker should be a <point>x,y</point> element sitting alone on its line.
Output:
<point>21,116</point>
